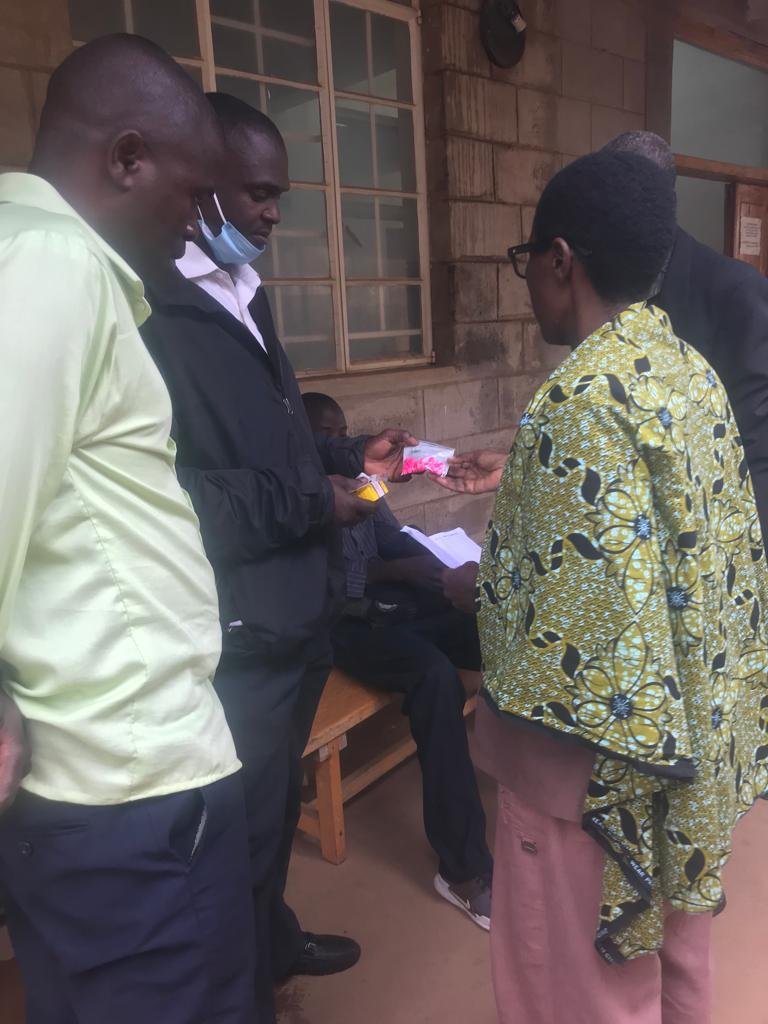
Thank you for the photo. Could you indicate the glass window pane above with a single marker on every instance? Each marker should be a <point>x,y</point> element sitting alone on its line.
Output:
<point>349,49</point>
<point>363,309</point>
<point>358,217</point>
<point>296,112</point>
<point>399,237</point>
<point>353,131</point>
<point>701,210</point>
<point>235,48</point>
<point>383,308</point>
<point>235,10</point>
<point>262,51</point>
<point>295,18</point>
<point>92,18</point>
<point>719,108</point>
<point>369,350</point>
<point>172,24</point>
<point>299,246</point>
<point>394,223</point>
<point>395,158</point>
<point>391,43</point>
<point>304,320</point>
<point>295,61</point>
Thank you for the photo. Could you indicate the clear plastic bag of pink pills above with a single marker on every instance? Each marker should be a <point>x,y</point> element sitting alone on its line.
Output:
<point>426,457</point>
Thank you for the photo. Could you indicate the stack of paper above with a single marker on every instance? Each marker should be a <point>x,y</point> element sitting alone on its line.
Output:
<point>453,547</point>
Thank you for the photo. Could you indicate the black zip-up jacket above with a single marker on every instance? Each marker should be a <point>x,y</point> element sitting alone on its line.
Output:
<point>255,472</point>
<point>719,306</point>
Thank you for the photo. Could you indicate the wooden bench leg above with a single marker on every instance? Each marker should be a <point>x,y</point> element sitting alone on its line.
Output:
<point>330,802</point>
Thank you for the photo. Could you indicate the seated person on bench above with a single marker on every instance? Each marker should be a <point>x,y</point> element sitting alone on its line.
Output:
<point>398,633</point>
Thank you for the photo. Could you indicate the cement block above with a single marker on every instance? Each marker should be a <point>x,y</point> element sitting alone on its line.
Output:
<point>35,33</point>
<point>541,15</point>
<point>574,20</point>
<point>462,408</point>
<point>521,174</point>
<point>537,118</point>
<point>514,300</point>
<point>482,229</point>
<point>501,112</point>
<point>469,168</point>
<point>368,414</point>
<point>541,66</point>
<point>497,345</point>
<point>634,86</point>
<point>574,126</point>
<point>527,214</point>
<point>514,395</point>
<point>17,121</point>
<point>499,440</point>
<point>608,122</point>
<point>475,292</point>
<point>451,39</point>
<point>480,107</point>
<point>618,28</point>
<point>593,75</point>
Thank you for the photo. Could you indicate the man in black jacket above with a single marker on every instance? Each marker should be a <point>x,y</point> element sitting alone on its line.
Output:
<point>268,510</point>
<point>719,306</point>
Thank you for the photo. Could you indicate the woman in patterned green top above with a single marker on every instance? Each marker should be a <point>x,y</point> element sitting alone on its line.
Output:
<point>622,591</point>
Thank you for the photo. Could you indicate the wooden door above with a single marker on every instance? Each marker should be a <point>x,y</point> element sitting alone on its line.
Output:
<point>747,225</point>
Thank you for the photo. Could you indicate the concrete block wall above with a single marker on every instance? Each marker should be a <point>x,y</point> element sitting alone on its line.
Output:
<point>494,138</point>
<point>34,38</point>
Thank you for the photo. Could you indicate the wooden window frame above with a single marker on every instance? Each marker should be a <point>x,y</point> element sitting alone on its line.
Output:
<point>732,47</point>
<point>331,184</point>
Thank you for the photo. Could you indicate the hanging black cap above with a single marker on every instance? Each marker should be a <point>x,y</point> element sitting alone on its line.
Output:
<point>502,30</point>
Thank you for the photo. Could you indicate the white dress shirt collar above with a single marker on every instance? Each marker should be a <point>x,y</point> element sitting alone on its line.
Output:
<point>233,290</point>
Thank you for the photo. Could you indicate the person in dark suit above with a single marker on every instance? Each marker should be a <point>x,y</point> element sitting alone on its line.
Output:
<point>719,305</point>
<point>268,511</point>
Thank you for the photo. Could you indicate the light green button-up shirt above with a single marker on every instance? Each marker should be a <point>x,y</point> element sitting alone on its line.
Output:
<point>109,630</point>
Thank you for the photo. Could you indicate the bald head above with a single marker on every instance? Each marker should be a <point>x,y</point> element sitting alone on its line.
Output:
<point>131,142</point>
<point>646,144</point>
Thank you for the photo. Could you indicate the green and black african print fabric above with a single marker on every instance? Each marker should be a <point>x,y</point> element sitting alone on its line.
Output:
<point>623,596</point>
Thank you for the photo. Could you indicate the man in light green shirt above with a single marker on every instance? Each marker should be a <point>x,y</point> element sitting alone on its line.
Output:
<point>123,858</point>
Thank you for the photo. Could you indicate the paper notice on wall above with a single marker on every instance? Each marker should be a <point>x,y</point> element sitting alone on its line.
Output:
<point>750,236</point>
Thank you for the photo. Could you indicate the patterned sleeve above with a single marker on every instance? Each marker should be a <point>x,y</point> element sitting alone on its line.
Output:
<point>572,583</point>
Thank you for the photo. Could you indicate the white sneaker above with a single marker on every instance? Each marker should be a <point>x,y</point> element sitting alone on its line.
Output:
<point>473,897</point>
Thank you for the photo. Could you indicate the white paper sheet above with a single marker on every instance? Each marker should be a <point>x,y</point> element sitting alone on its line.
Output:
<point>453,547</point>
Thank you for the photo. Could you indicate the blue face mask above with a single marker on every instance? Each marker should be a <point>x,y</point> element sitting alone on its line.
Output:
<point>230,246</point>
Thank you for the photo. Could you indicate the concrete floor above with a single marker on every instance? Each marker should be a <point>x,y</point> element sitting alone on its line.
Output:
<point>423,961</point>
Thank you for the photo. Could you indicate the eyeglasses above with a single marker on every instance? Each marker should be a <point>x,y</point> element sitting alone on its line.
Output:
<point>521,254</point>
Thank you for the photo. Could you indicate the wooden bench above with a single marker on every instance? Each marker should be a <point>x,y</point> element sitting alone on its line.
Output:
<point>345,704</point>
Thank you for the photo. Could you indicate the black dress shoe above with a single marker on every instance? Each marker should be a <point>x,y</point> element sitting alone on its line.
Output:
<point>326,954</point>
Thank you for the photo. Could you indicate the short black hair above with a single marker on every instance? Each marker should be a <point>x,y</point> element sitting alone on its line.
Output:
<point>647,144</point>
<point>617,212</point>
<point>317,403</point>
<point>235,115</point>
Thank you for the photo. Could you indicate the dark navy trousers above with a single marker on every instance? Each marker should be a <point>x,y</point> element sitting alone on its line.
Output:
<point>132,914</point>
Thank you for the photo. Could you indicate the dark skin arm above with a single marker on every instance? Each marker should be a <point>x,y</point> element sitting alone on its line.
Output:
<point>419,571</point>
<point>459,586</point>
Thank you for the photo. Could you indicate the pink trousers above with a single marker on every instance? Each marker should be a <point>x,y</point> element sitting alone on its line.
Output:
<point>546,898</point>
